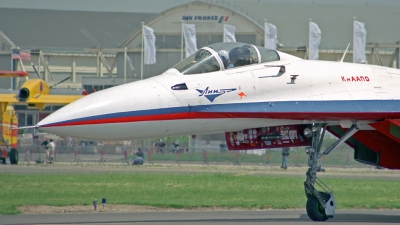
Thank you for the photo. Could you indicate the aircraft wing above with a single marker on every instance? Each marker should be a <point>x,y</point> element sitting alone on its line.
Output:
<point>38,101</point>
<point>389,127</point>
<point>378,146</point>
<point>53,99</point>
<point>8,98</point>
<point>8,73</point>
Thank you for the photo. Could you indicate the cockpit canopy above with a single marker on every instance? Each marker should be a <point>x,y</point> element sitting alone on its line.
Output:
<point>225,55</point>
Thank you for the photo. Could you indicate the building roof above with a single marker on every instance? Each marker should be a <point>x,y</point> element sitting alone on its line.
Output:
<point>31,28</point>
<point>34,28</point>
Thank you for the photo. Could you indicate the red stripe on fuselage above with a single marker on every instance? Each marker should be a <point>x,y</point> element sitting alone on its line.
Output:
<point>224,115</point>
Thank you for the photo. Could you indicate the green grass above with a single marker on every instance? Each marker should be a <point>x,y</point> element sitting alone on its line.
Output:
<point>187,190</point>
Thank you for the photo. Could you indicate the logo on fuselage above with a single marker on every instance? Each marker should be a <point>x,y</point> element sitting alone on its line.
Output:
<point>211,94</point>
<point>355,78</point>
<point>241,95</point>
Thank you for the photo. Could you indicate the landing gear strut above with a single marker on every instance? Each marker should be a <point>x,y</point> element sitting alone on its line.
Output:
<point>320,204</point>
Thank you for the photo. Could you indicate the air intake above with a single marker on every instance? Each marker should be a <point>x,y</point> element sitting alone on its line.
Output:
<point>23,93</point>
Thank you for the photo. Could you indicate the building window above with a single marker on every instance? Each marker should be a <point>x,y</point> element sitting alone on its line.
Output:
<point>173,41</point>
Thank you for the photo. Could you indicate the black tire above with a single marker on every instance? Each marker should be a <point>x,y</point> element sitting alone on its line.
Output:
<point>14,156</point>
<point>315,210</point>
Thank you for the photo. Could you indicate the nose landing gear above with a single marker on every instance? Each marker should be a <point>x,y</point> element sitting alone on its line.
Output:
<point>320,204</point>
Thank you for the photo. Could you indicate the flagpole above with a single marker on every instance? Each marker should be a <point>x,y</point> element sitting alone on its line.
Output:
<point>223,36</point>
<point>43,78</point>
<point>354,39</point>
<point>265,32</point>
<point>125,65</point>
<point>12,82</point>
<point>182,42</point>
<point>141,66</point>
<point>309,38</point>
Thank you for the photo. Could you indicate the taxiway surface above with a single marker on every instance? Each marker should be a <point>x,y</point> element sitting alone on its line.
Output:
<point>270,217</point>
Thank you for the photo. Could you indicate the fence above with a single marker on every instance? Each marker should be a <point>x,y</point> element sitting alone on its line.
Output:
<point>118,154</point>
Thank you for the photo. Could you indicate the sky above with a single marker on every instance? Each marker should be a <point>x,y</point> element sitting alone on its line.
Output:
<point>147,6</point>
<point>156,6</point>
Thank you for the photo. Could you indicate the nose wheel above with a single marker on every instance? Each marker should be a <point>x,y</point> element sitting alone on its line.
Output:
<point>320,205</point>
<point>315,210</point>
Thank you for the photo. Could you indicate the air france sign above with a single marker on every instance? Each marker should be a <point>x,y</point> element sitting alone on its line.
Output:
<point>203,18</point>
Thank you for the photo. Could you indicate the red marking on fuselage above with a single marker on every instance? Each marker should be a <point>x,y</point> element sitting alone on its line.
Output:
<point>241,95</point>
<point>355,78</point>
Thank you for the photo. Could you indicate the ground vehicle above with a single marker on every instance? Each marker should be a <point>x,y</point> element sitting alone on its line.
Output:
<point>8,135</point>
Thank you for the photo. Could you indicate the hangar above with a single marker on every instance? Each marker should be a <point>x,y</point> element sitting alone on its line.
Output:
<point>88,46</point>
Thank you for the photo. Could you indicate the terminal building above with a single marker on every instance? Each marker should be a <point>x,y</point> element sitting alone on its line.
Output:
<point>88,46</point>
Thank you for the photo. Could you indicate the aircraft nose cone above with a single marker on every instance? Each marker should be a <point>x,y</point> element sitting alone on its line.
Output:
<point>106,107</point>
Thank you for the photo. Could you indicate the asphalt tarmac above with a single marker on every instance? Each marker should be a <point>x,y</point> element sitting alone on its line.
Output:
<point>354,217</point>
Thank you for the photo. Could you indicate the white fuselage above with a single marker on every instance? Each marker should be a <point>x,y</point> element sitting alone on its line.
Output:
<point>234,99</point>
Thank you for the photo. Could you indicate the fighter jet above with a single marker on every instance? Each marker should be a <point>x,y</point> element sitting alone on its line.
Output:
<point>260,98</point>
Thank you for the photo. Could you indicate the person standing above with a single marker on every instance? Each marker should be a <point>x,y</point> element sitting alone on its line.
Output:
<point>50,149</point>
<point>285,153</point>
<point>139,153</point>
<point>44,143</point>
<point>45,148</point>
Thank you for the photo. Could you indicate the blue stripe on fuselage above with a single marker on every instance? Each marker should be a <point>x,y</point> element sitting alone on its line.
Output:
<point>356,106</point>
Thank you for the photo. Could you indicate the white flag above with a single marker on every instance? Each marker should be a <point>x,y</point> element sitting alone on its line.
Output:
<point>189,32</point>
<point>270,36</point>
<point>314,41</point>
<point>229,33</point>
<point>360,36</point>
<point>149,42</point>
